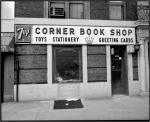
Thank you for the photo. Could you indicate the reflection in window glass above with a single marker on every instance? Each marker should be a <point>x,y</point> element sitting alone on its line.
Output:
<point>116,10</point>
<point>67,64</point>
<point>76,10</point>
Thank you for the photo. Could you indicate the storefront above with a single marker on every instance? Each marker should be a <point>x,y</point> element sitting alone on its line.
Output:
<point>61,59</point>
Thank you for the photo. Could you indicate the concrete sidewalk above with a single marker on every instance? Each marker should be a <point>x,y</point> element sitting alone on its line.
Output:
<point>118,107</point>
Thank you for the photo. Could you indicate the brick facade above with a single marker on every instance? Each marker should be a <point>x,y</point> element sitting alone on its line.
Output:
<point>131,10</point>
<point>32,9</point>
<point>32,63</point>
<point>99,9</point>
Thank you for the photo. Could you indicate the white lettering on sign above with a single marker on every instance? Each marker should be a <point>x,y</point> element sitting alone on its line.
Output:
<point>45,34</point>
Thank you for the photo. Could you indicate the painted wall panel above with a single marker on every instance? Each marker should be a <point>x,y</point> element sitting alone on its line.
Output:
<point>96,61</point>
<point>31,49</point>
<point>33,76</point>
<point>96,50</point>
<point>32,61</point>
<point>97,74</point>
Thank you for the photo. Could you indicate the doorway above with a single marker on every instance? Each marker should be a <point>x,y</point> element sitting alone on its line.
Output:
<point>7,79</point>
<point>119,76</point>
<point>2,77</point>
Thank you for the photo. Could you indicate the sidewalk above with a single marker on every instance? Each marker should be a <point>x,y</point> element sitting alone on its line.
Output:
<point>115,108</point>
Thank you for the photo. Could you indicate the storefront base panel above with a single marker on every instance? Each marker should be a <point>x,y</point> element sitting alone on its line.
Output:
<point>134,88</point>
<point>95,90</point>
<point>29,92</point>
<point>36,92</point>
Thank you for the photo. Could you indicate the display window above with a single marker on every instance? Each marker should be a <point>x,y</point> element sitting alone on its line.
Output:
<point>67,64</point>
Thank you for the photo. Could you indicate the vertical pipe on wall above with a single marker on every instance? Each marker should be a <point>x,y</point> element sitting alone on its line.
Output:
<point>16,74</point>
<point>17,83</point>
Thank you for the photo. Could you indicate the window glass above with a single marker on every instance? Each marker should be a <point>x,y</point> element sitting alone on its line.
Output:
<point>116,11</point>
<point>67,64</point>
<point>76,11</point>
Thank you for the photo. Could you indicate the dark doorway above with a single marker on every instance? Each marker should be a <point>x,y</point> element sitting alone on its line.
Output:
<point>2,76</point>
<point>119,70</point>
<point>7,77</point>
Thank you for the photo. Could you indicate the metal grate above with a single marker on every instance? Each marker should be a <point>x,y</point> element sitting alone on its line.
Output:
<point>57,12</point>
<point>143,12</point>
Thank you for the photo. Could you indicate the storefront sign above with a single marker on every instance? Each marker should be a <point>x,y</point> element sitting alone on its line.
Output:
<point>23,33</point>
<point>49,34</point>
<point>82,35</point>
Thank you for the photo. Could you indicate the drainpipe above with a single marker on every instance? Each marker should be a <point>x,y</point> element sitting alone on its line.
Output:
<point>16,61</point>
<point>17,82</point>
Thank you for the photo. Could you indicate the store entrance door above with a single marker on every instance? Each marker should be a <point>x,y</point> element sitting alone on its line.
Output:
<point>119,76</point>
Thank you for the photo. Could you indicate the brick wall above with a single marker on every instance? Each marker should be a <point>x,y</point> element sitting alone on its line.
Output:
<point>99,9</point>
<point>131,9</point>
<point>96,64</point>
<point>34,9</point>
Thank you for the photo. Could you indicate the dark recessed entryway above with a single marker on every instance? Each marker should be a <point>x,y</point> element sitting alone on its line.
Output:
<point>119,76</point>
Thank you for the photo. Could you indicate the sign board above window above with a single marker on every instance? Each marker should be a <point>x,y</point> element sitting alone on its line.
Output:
<point>50,34</point>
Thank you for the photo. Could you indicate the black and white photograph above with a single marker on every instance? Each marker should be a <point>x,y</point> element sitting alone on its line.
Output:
<point>74,60</point>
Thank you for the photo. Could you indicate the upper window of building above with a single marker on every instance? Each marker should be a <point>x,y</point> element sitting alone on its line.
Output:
<point>76,10</point>
<point>66,9</point>
<point>56,10</point>
<point>116,10</point>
